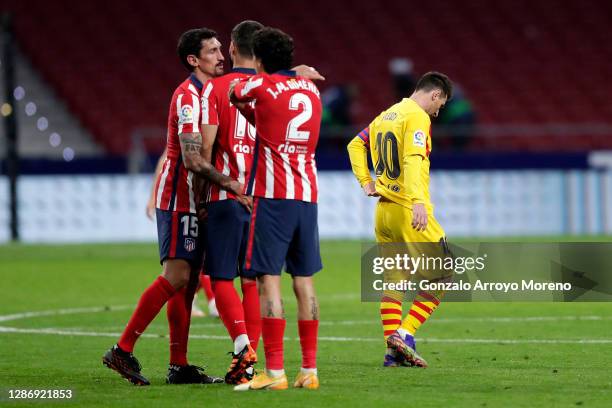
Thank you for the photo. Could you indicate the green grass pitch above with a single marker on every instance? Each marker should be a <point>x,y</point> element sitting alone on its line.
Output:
<point>480,354</point>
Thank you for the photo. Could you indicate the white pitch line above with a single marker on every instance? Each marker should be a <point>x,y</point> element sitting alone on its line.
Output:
<point>65,332</point>
<point>57,312</point>
<point>479,341</point>
<point>85,332</point>
<point>434,321</point>
<point>69,332</point>
<point>447,320</point>
<point>443,320</point>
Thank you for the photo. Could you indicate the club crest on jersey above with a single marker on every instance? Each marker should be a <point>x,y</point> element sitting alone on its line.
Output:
<point>394,187</point>
<point>190,244</point>
<point>186,115</point>
<point>419,138</point>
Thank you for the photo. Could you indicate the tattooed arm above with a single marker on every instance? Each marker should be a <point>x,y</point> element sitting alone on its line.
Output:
<point>191,148</point>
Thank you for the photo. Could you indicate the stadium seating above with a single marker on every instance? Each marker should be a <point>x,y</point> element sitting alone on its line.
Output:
<point>519,61</point>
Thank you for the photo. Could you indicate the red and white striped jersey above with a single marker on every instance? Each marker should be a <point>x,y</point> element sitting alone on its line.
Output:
<point>288,118</point>
<point>232,153</point>
<point>175,184</point>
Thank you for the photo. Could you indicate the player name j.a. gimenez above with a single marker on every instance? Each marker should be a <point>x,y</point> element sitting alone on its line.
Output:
<point>524,285</point>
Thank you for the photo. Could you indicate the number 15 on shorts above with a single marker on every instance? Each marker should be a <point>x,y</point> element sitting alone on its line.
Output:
<point>189,223</point>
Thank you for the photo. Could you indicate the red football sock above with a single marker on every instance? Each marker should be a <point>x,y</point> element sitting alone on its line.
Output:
<point>206,286</point>
<point>149,305</point>
<point>273,330</point>
<point>178,311</point>
<point>192,288</point>
<point>308,330</point>
<point>252,314</point>
<point>229,307</point>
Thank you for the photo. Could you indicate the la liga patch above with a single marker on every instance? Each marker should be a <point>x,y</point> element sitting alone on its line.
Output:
<point>419,138</point>
<point>186,115</point>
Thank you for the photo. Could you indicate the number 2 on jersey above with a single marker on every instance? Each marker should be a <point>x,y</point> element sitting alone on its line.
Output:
<point>293,134</point>
<point>388,156</point>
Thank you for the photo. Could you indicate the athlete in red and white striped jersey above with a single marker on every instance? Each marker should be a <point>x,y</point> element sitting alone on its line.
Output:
<point>175,189</point>
<point>235,139</point>
<point>283,232</point>
<point>284,164</point>
<point>229,140</point>
<point>180,244</point>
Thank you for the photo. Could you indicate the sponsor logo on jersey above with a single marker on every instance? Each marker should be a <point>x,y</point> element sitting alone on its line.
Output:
<point>291,148</point>
<point>419,138</point>
<point>243,148</point>
<point>186,115</point>
<point>190,244</point>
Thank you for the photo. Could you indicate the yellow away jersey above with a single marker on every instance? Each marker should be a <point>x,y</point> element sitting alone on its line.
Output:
<point>401,131</point>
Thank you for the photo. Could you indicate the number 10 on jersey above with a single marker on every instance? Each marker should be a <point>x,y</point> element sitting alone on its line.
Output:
<point>388,156</point>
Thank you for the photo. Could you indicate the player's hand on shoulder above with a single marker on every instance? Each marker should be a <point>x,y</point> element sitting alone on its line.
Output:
<point>370,189</point>
<point>308,72</point>
<point>419,217</point>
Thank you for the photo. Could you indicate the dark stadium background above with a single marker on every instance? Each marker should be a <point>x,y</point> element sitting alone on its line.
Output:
<point>533,76</point>
<point>523,154</point>
<point>519,62</point>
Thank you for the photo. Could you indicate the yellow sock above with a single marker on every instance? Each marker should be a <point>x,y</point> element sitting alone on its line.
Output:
<point>390,314</point>
<point>423,306</point>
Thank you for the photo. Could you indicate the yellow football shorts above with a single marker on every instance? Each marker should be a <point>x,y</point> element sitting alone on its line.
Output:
<point>393,224</point>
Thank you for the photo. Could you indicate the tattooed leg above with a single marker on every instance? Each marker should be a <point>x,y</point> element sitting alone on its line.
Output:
<point>270,297</point>
<point>308,307</point>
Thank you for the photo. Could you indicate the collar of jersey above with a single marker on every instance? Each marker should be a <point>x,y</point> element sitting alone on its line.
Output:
<point>415,104</point>
<point>196,82</point>
<point>241,70</point>
<point>285,72</point>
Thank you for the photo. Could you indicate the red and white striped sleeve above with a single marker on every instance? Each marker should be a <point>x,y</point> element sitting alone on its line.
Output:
<point>188,113</point>
<point>210,114</point>
<point>248,90</point>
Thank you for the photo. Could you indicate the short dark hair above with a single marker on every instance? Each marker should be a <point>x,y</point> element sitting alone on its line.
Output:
<point>190,43</point>
<point>242,37</point>
<point>274,48</point>
<point>435,80</point>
